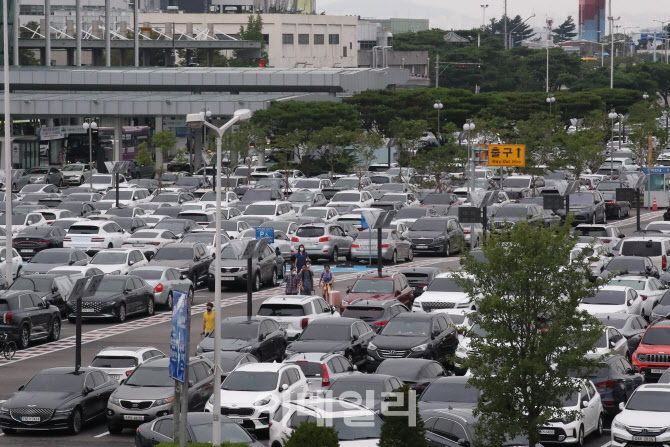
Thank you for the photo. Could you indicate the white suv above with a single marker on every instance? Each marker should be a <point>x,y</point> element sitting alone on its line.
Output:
<point>128,196</point>
<point>252,392</point>
<point>644,418</point>
<point>294,312</point>
<point>120,362</point>
<point>118,261</point>
<point>444,295</point>
<point>93,236</point>
<point>322,369</point>
<point>336,413</point>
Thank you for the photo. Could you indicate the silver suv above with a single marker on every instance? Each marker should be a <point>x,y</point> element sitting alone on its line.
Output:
<point>322,369</point>
<point>323,240</point>
<point>120,362</point>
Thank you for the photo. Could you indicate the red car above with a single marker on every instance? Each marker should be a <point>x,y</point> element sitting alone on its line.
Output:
<point>389,286</point>
<point>652,357</point>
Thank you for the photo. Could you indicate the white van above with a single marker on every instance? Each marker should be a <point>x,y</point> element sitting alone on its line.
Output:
<point>657,249</point>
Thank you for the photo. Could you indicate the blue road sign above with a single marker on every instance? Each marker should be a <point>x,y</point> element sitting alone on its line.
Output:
<point>262,232</point>
<point>657,170</point>
<point>178,337</point>
<point>364,223</point>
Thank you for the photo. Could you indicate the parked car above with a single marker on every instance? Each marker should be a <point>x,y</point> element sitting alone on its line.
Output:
<point>319,369</point>
<point>26,318</point>
<point>265,268</point>
<point>191,260</point>
<point>389,286</point>
<point>93,236</point>
<point>120,362</point>
<point>45,286</point>
<point>449,392</point>
<point>165,282</point>
<point>651,357</point>
<point>325,240</point>
<point>376,313</point>
<point>118,261</point>
<point>417,373</point>
<point>149,241</point>
<point>394,246</point>
<point>294,312</point>
<point>612,299</point>
<point>436,235</point>
<point>649,288</point>
<point>76,174</point>
<point>33,240</point>
<point>643,417</point>
<point>419,277</point>
<point>380,386</point>
<point>632,327</point>
<point>229,361</point>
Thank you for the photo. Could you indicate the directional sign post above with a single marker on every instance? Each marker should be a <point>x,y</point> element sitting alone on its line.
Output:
<point>75,295</point>
<point>262,232</point>
<point>510,155</point>
<point>469,215</point>
<point>178,337</point>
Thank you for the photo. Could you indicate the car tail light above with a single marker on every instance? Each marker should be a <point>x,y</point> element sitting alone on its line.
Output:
<point>304,322</point>
<point>607,384</point>
<point>295,239</point>
<point>419,388</point>
<point>97,239</point>
<point>158,288</point>
<point>644,297</point>
<point>664,262</point>
<point>129,372</point>
<point>49,222</point>
<point>466,231</point>
<point>381,323</point>
<point>590,187</point>
<point>385,245</point>
<point>610,203</point>
<point>152,243</point>
<point>607,241</point>
<point>325,378</point>
<point>67,239</point>
<point>355,246</point>
<point>608,402</point>
<point>326,239</point>
<point>8,318</point>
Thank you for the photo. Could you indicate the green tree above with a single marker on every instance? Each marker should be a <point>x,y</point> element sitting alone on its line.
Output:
<point>442,160</point>
<point>407,140</point>
<point>143,157</point>
<point>538,134</point>
<point>399,429</point>
<point>253,31</point>
<point>165,141</point>
<point>28,57</point>
<point>584,148</point>
<point>527,299</point>
<point>332,145</point>
<point>565,31</point>
<point>660,73</point>
<point>643,122</point>
<point>311,434</point>
<point>365,148</point>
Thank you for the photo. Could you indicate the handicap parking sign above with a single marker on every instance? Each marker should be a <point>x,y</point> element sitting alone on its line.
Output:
<point>262,232</point>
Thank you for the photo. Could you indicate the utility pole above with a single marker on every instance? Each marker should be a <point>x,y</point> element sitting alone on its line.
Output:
<point>549,22</point>
<point>505,25</point>
<point>437,69</point>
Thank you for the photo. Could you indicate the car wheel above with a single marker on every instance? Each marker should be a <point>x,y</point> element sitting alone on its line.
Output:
<point>618,214</point>
<point>114,429</point>
<point>75,422</point>
<point>273,280</point>
<point>257,282</point>
<point>150,307</point>
<point>580,437</point>
<point>122,313</point>
<point>335,255</point>
<point>593,219</point>
<point>394,258</point>
<point>55,330</point>
<point>9,431</point>
<point>24,337</point>
<point>191,295</point>
<point>170,300</point>
<point>447,249</point>
<point>599,431</point>
<point>410,255</point>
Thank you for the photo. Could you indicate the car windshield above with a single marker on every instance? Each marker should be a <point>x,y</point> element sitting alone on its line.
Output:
<point>66,382</point>
<point>363,313</point>
<point>410,213</point>
<point>108,258</point>
<point>373,286</point>
<point>188,181</point>
<point>50,257</point>
<point>437,199</point>
<point>397,187</point>
<point>347,183</point>
<point>148,275</point>
<point>394,198</point>
<point>34,284</point>
<point>450,392</point>
<point>112,284</point>
<point>511,182</point>
<point>309,369</point>
<point>308,184</point>
<point>123,195</point>
<point>591,231</point>
<point>257,195</point>
<point>350,388</point>
<point>429,225</point>
<point>630,265</point>
<point>321,213</point>
<point>607,297</point>
<point>114,362</point>
<point>250,381</point>
<point>175,227</point>
<point>656,336</point>
<point>144,235</point>
<point>406,328</point>
<point>232,252</point>
<point>174,254</point>
<point>169,198</point>
<point>570,400</point>
<point>580,199</point>
<point>512,211</point>
<point>358,427</point>
<point>445,285</point>
<point>260,210</point>
<point>230,431</point>
<point>281,310</point>
<point>169,177</point>
<point>641,248</point>
<point>380,179</point>
<point>346,197</point>
<point>310,232</point>
<point>17,219</point>
<point>643,400</point>
<point>242,331</point>
<point>107,179</point>
<point>73,168</point>
<point>637,284</point>
<point>151,376</point>
<point>205,238</point>
<point>608,186</point>
<point>333,332</point>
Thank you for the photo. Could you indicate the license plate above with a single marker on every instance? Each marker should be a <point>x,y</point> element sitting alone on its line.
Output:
<point>30,419</point>
<point>115,376</point>
<point>132,417</point>
<point>421,246</point>
<point>283,325</point>
<point>546,432</point>
<point>238,420</point>
<point>25,250</point>
<point>644,438</point>
<point>657,371</point>
<point>227,278</point>
<point>138,244</point>
<point>88,310</point>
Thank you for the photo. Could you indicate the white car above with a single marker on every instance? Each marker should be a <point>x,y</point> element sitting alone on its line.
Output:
<point>608,235</point>
<point>644,418</point>
<point>294,312</point>
<point>95,235</point>
<point>228,198</point>
<point>77,173</point>
<point>260,388</point>
<point>76,270</point>
<point>356,425</point>
<point>52,214</point>
<point>312,184</point>
<point>611,343</point>
<point>206,237</point>
<point>120,362</point>
<point>571,428</point>
<point>325,213</point>
<point>463,350</point>
<point>22,221</point>
<point>118,261</point>
<point>662,225</point>
<point>362,199</point>
<point>16,261</point>
<point>128,196</point>
<point>149,241</point>
<point>409,199</point>
<point>103,182</point>
<point>613,299</point>
<point>594,254</point>
<point>322,369</point>
<point>232,227</point>
<point>197,206</point>
<point>270,209</point>
<point>650,289</point>
<point>443,294</point>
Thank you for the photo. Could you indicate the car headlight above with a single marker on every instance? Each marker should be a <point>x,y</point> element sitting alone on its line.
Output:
<point>464,305</point>
<point>264,401</point>
<point>420,348</point>
<point>288,352</point>
<point>3,410</point>
<point>618,425</point>
<point>159,402</point>
<point>243,269</point>
<point>568,418</point>
<point>461,349</point>
<point>642,357</point>
<point>246,349</point>
<point>440,238</point>
<point>372,346</point>
<point>114,401</point>
<point>64,411</point>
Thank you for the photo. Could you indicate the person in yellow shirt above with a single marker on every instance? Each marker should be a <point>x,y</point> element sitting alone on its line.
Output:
<point>208,320</point>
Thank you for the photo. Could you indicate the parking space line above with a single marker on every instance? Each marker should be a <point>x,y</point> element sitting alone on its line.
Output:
<point>101,435</point>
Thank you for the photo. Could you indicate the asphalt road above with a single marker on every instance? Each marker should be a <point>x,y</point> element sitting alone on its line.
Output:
<point>155,331</point>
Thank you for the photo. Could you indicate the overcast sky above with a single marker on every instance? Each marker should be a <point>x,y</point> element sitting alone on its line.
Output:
<point>452,14</point>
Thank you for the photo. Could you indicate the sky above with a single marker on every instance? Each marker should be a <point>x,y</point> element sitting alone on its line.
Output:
<point>465,14</point>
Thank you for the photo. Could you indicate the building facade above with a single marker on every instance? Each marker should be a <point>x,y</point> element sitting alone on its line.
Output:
<point>592,15</point>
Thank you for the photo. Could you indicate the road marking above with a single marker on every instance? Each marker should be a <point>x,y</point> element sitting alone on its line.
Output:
<point>101,435</point>
<point>632,220</point>
<point>166,316</point>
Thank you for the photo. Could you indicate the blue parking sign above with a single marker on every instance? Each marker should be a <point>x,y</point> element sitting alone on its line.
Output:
<point>178,337</point>
<point>262,232</point>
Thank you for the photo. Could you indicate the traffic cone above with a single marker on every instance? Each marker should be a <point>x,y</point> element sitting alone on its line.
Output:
<point>654,207</point>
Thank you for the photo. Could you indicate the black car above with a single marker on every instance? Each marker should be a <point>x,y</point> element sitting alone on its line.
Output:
<point>449,392</point>
<point>192,260</point>
<point>630,326</point>
<point>230,360</point>
<point>45,260</point>
<point>261,337</point>
<point>419,277</point>
<point>58,399</point>
<point>376,313</point>
<point>613,207</point>
<point>117,297</point>
<point>45,286</point>
<point>630,265</point>
<point>662,308</point>
<point>130,224</point>
<point>380,385</point>
<point>415,335</point>
<point>513,213</point>
<point>180,227</point>
<point>168,210</point>
<point>25,317</point>
<point>81,209</point>
<point>31,240</point>
<point>587,207</point>
<point>436,235</point>
<point>437,198</point>
<point>417,373</point>
<point>346,336</point>
<point>198,429</point>
<point>125,211</point>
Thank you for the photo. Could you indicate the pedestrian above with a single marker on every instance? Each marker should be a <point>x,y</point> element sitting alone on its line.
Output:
<point>666,215</point>
<point>306,280</point>
<point>326,282</point>
<point>291,281</point>
<point>132,167</point>
<point>301,258</point>
<point>208,320</point>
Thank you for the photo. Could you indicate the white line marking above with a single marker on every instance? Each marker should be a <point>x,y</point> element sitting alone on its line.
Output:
<point>101,435</point>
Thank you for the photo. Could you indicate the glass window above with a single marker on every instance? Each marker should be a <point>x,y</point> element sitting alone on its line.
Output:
<point>287,39</point>
<point>318,39</point>
<point>284,379</point>
<point>444,427</point>
<point>89,381</point>
<point>293,375</point>
<point>299,418</point>
<point>98,379</point>
<point>280,413</point>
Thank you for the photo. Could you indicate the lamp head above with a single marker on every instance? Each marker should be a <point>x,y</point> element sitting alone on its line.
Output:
<point>243,115</point>
<point>195,120</point>
<point>85,126</point>
<point>94,125</point>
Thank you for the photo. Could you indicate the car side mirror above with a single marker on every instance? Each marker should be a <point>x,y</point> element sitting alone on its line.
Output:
<point>348,288</point>
<point>584,404</point>
<point>283,387</point>
<point>397,293</point>
<point>127,290</point>
<point>630,371</point>
<point>463,442</point>
<point>261,337</point>
<point>354,337</point>
<point>612,343</point>
<point>622,406</point>
<point>191,383</point>
<point>184,276</point>
<point>86,391</point>
<point>131,262</point>
<point>21,387</point>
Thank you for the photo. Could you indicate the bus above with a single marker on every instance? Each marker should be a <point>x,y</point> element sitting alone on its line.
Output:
<point>103,145</point>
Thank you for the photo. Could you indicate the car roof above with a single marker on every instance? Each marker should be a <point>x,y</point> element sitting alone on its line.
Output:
<point>124,350</point>
<point>660,323</point>
<point>91,223</point>
<point>289,299</point>
<point>416,316</point>
<point>267,367</point>
<point>614,288</point>
<point>325,407</point>
<point>663,387</point>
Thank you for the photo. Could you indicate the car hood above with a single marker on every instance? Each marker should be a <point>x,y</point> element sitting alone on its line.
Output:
<point>650,418</point>
<point>143,392</point>
<point>399,342</point>
<point>37,268</point>
<point>452,297</point>
<point>652,349</point>
<point>227,344</point>
<point>661,310</point>
<point>109,268</point>
<point>368,296</point>
<point>52,399</point>
<point>433,234</point>
<point>103,296</point>
<point>318,346</point>
<point>427,406</point>
<point>177,263</point>
<point>242,398</point>
<point>603,309</point>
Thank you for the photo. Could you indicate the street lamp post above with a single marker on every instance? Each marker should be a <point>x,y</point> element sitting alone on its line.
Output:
<point>468,127</point>
<point>621,120</point>
<point>550,101</point>
<point>438,106</point>
<point>479,42</point>
<point>612,115</point>
<point>197,120</point>
<point>90,127</point>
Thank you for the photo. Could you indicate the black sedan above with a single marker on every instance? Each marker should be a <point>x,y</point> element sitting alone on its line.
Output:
<point>258,336</point>
<point>419,277</point>
<point>436,235</point>
<point>615,208</point>
<point>198,429</point>
<point>380,385</point>
<point>24,317</point>
<point>191,259</point>
<point>117,297</point>
<point>662,308</point>
<point>449,392</point>
<point>630,265</point>
<point>415,335</point>
<point>376,313</point>
<point>58,399</point>
<point>31,240</point>
<point>45,286</point>
<point>417,373</point>
<point>45,260</point>
<point>81,209</point>
<point>346,336</point>
<point>587,207</point>
<point>230,360</point>
<point>630,326</point>
<point>130,224</point>
<point>513,213</point>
